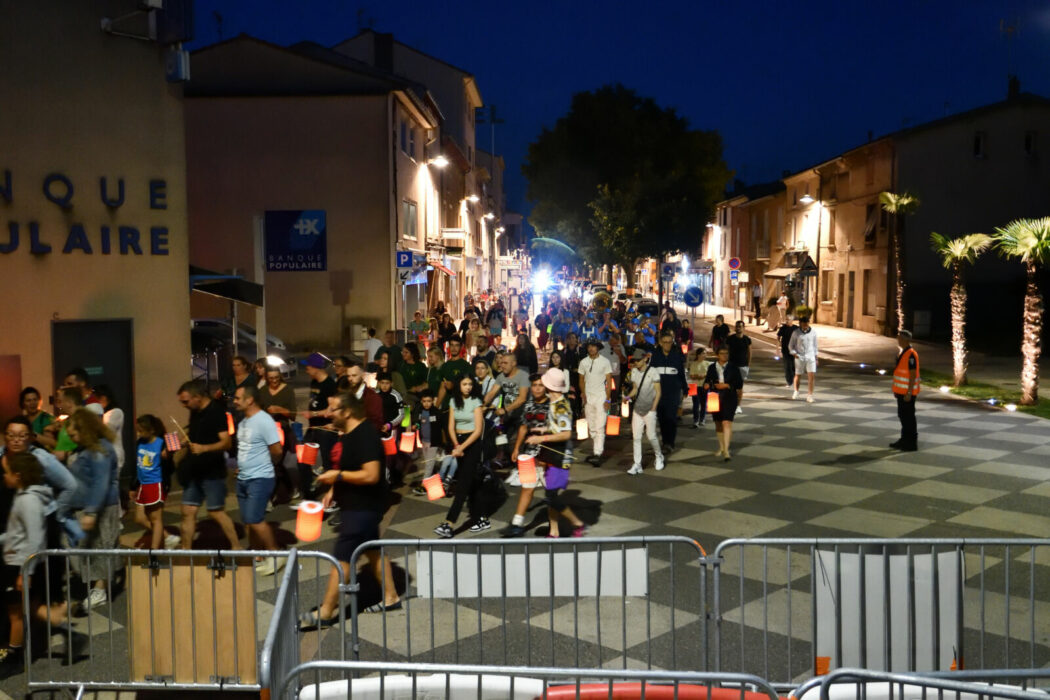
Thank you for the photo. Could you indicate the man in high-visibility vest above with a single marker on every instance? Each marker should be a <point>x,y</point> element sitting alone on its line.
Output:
<point>906,391</point>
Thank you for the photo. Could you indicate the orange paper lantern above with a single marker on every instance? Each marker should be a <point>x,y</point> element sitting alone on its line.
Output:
<point>389,445</point>
<point>612,383</point>
<point>408,442</point>
<point>299,452</point>
<point>308,521</point>
<point>713,405</point>
<point>685,348</point>
<point>692,388</point>
<point>308,455</point>
<point>419,442</point>
<point>229,423</point>
<point>612,425</point>
<point>280,432</point>
<point>625,408</point>
<point>526,469</point>
<point>435,489</point>
<point>581,428</point>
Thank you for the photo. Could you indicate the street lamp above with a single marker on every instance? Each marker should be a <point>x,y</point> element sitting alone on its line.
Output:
<point>806,199</point>
<point>439,161</point>
<point>473,199</point>
<point>490,216</point>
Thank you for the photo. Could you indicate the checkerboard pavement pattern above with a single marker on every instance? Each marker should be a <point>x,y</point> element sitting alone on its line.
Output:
<point>798,469</point>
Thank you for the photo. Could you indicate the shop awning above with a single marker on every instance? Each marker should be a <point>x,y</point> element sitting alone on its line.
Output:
<point>781,272</point>
<point>229,287</point>
<point>439,266</point>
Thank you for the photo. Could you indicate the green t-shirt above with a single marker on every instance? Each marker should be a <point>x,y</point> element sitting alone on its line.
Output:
<point>418,327</point>
<point>64,443</point>
<point>434,380</point>
<point>42,420</point>
<point>414,374</point>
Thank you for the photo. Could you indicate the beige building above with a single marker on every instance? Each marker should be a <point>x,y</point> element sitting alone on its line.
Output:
<point>93,205</point>
<point>460,243</point>
<point>306,129</point>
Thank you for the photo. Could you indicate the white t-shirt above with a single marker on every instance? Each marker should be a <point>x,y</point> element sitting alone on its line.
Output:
<point>594,372</point>
<point>646,396</point>
<point>371,345</point>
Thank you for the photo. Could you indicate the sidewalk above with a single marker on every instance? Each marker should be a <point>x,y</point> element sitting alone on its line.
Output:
<point>848,345</point>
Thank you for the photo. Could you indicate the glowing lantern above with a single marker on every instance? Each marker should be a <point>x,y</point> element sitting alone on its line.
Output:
<point>308,521</point>
<point>581,429</point>
<point>625,408</point>
<point>171,442</point>
<point>612,425</point>
<point>685,348</point>
<point>713,405</point>
<point>406,422</point>
<point>612,383</point>
<point>408,442</point>
<point>299,452</point>
<point>280,431</point>
<point>389,446</point>
<point>692,388</point>
<point>419,442</point>
<point>527,469</point>
<point>435,489</point>
<point>229,423</point>
<point>308,454</point>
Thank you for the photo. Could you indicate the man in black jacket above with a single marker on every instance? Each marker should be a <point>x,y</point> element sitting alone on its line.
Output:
<point>669,363</point>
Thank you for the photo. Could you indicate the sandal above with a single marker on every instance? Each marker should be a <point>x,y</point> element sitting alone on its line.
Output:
<point>383,607</point>
<point>312,621</point>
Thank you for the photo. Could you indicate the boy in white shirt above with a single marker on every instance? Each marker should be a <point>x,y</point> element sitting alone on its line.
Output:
<point>596,389</point>
<point>645,394</point>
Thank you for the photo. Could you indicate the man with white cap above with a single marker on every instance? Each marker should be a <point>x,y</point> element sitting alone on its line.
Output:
<point>644,392</point>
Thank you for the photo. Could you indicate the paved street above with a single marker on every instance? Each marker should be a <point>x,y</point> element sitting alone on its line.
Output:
<point>798,470</point>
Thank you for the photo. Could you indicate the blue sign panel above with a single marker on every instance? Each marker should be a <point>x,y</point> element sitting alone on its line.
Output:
<point>296,241</point>
<point>403,258</point>
<point>734,274</point>
<point>694,297</point>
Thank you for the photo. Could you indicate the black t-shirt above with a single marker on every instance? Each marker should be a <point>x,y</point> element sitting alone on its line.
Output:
<point>738,346</point>
<point>785,333</point>
<point>319,393</point>
<point>720,333</point>
<point>205,426</point>
<point>359,446</point>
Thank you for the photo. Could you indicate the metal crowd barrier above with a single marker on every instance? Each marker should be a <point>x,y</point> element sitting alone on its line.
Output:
<point>861,684</point>
<point>330,680</point>
<point>787,608</point>
<point>544,602</point>
<point>173,619</point>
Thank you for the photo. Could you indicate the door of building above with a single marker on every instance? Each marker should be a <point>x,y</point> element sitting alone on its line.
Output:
<point>840,299</point>
<point>105,350</point>
<point>849,299</point>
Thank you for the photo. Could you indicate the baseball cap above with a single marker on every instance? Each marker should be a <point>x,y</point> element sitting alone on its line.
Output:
<point>316,360</point>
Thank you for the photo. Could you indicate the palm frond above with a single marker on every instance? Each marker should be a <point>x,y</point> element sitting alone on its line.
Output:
<point>1028,240</point>
<point>903,203</point>
<point>961,249</point>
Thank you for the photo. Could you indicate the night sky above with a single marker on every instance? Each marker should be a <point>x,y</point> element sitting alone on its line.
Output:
<point>787,84</point>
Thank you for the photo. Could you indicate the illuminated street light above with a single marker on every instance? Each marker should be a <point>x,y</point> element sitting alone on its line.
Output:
<point>806,199</point>
<point>490,216</point>
<point>439,161</point>
<point>473,199</point>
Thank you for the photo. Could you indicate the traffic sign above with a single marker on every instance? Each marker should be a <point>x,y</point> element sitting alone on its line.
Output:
<point>734,275</point>
<point>694,297</point>
<point>734,264</point>
<point>667,270</point>
<point>403,258</point>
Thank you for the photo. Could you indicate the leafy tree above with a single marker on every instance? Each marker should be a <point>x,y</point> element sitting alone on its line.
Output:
<point>620,178</point>
<point>955,254</point>
<point>1028,240</point>
<point>899,205</point>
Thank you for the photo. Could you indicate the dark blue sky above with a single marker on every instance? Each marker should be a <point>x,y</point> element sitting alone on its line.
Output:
<point>787,84</point>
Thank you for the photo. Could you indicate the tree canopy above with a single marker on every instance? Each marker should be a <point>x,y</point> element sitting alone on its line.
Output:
<point>619,178</point>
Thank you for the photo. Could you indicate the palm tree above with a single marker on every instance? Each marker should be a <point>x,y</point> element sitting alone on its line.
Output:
<point>955,253</point>
<point>1028,240</point>
<point>898,205</point>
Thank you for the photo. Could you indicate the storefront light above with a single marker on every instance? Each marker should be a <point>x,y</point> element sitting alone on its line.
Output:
<point>439,161</point>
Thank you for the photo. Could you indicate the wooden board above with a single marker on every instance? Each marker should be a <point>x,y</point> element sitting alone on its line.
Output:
<point>191,624</point>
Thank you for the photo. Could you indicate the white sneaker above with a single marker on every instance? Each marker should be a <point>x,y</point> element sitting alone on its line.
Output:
<point>513,479</point>
<point>659,465</point>
<point>635,469</point>
<point>95,598</point>
<point>794,394</point>
<point>739,411</point>
<point>172,541</point>
<point>809,399</point>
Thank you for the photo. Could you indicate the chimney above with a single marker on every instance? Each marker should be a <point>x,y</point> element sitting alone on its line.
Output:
<point>383,52</point>
<point>1013,88</point>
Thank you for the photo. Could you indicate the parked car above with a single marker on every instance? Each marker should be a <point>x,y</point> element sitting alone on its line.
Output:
<point>646,305</point>
<point>622,296</point>
<point>221,330</point>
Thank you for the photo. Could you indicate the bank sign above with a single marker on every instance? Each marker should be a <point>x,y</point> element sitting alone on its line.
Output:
<point>296,240</point>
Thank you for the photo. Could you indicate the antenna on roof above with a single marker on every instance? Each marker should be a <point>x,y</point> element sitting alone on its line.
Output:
<point>1009,31</point>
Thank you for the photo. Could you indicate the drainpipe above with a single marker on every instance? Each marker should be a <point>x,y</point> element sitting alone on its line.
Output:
<point>394,206</point>
<point>820,212</point>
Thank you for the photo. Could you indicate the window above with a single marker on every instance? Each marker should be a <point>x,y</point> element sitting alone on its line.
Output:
<point>869,293</point>
<point>825,285</point>
<point>404,136</point>
<point>871,218</point>
<point>408,220</point>
<point>1030,143</point>
<point>980,144</point>
<point>832,240</point>
<point>411,143</point>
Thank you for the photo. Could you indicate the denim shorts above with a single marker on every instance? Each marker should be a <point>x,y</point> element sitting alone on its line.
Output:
<point>209,491</point>
<point>252,497</point>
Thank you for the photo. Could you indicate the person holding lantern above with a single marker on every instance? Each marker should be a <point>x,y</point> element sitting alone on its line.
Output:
<point>724,386</point>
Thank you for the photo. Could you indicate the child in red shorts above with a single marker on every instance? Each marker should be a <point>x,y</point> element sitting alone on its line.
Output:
<point>151,453</point>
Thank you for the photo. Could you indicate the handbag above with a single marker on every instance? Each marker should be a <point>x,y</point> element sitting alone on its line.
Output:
<point>555,478</point>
